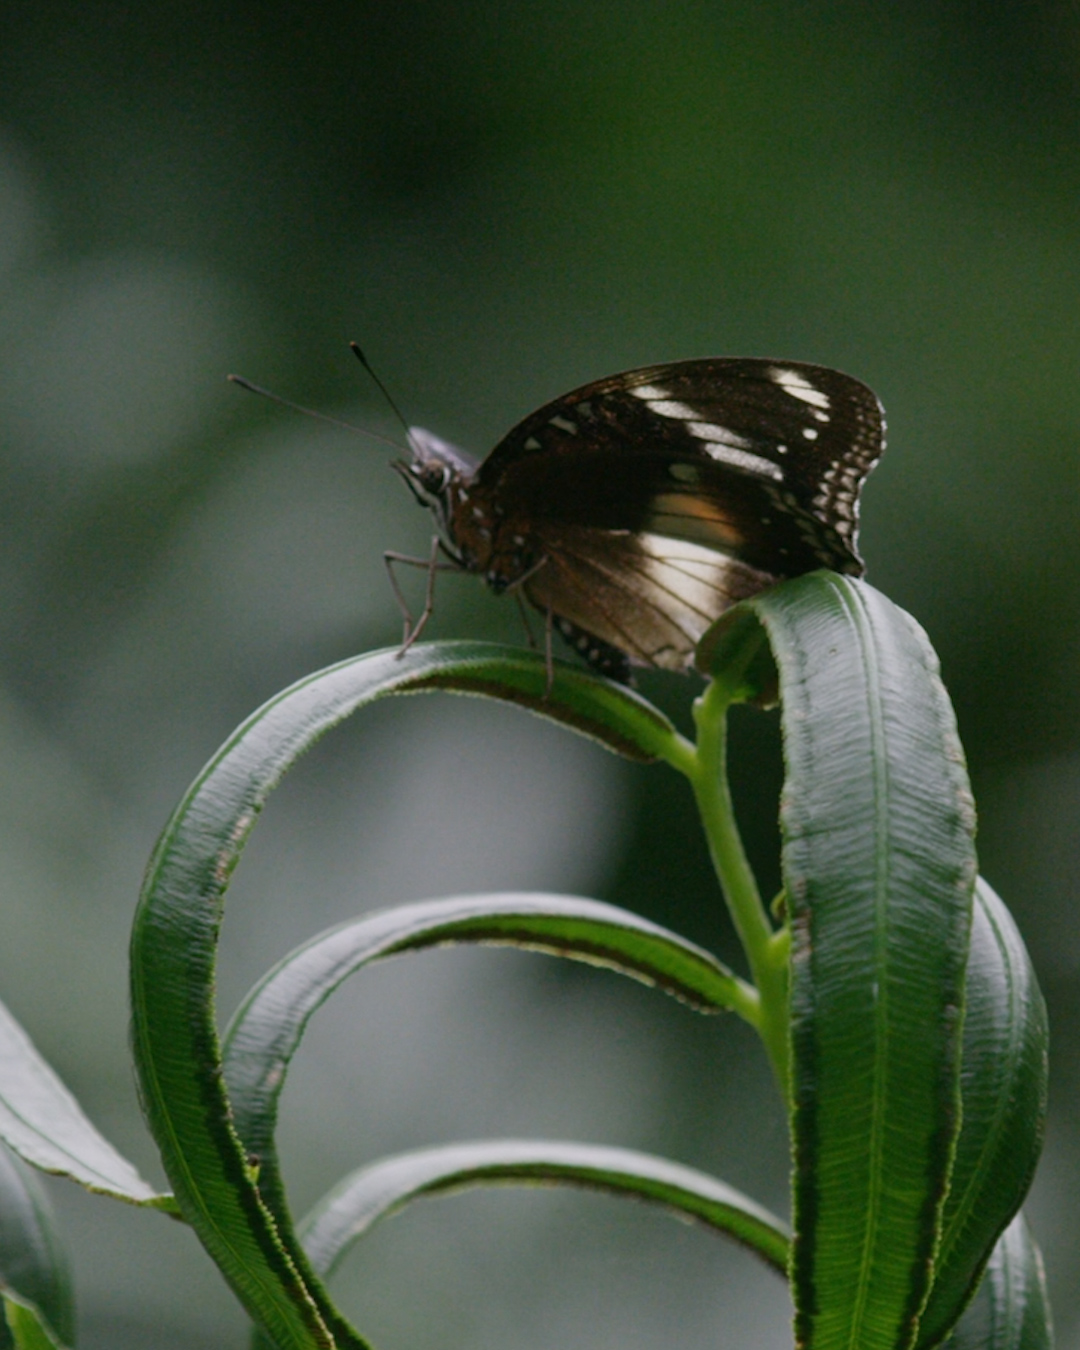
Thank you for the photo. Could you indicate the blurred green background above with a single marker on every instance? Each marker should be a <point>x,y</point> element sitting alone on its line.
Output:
<point>501,201</point>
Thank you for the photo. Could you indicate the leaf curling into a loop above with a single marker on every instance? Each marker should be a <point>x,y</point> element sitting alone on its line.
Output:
<point>174,940</point>
<point>736,649</point>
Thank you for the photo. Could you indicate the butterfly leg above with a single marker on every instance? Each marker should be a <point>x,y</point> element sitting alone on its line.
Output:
<point>549,658</point>
<point>432,565</point>
<point>525,621</point>
<point>517,587</point>
<point>549,623</point>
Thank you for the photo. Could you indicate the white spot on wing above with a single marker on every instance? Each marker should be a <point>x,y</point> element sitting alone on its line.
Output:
<point>810,433</point>
<point>648,391</point>
<point>744,461</point>
<point>564,424</point>
<point>532,444</point>
<point>694,586</point>
<point>798,386</point>
<point>709,431</point>
<point>666,407</point>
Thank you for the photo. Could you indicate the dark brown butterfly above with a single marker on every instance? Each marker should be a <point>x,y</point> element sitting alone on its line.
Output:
<point>633,511</point>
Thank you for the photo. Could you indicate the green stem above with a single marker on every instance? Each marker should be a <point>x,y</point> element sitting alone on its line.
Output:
<point>766,949</point>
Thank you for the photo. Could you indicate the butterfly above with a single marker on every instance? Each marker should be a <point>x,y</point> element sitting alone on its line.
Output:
<point>634,511</point>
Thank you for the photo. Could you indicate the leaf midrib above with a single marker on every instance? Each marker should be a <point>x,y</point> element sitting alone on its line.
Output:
<point>881,812</point>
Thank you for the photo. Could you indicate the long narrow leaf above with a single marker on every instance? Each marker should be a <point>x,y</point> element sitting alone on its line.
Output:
<point>375,1192</point>
<point>1011,1310</point>
<point>43,1123</point>
<point>26,1327</point>
<point>267,1027</point>
<point>1003,1086</point>
<point>879,866</point>
<point>175,935</point>
<point>33,1263</point>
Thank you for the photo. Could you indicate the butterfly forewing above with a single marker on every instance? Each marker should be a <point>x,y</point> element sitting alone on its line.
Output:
<point>761,459</point>
<point>636,509</point>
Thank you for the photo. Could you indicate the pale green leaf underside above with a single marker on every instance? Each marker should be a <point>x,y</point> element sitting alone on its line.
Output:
<point>44,1124</point>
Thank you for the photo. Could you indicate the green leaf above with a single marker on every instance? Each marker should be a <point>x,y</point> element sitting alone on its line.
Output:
<point>736,642</point>
<point>384,1188</point>
<point>43,1123</point>
<point>267,1028</point>
<point>174,942</point>
<point>604,711</point>
<point>27,1328</point>
<point>1010,1311</point>
<point>1003,1085</point>
<point>33,1263</point>
<point>879,866</point>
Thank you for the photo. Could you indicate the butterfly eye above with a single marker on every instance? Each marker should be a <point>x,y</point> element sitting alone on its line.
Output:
<point>430,477</point>
<point>435,477</point>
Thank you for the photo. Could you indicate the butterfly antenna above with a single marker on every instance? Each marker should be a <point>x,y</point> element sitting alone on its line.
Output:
<point>358,352</point>
<point>308,412</point>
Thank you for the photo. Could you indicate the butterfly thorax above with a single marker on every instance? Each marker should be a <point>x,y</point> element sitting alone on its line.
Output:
<point>472,525</point>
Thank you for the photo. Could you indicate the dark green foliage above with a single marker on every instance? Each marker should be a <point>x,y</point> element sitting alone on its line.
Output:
<point>891,992</point>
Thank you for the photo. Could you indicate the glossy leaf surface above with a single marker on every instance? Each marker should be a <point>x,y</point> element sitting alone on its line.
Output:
<point>1010,1311</point>
<point>1003,1089</point>
<point>879,865</point>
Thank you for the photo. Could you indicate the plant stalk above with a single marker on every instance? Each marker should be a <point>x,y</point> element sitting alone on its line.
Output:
<point>766,949</point>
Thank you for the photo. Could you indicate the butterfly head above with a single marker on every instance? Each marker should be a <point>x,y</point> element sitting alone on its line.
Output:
<point>436,476</point>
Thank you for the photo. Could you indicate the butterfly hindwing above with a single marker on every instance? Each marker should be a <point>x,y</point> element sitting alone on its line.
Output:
<point>647,595</point>
<point>635,510</point>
